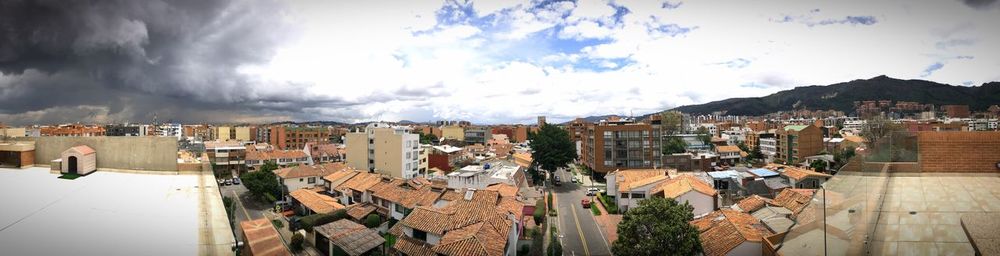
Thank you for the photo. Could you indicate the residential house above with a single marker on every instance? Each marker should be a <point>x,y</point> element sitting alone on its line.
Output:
<point>283,158</point>
<point>310,202</point>
<point>481,176</point>
<point>261,239</point>
<point>689,189</point>
<point>730,232</point>
<point>396,198</point>
<point>355,189</point>
<point>227,156</point>
<point>324,152</point>
<point>306,176</point>
<point>803,178</point>
<point>631,186</point>
<point>730,154</point>
<point>474,223</point>
<point>344,237</point>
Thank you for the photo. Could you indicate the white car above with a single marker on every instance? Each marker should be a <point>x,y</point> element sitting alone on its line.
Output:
<point>592,191</point>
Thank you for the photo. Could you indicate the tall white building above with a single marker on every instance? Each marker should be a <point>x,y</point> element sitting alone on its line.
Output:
<point>385,149</point>
<point>768,148</point>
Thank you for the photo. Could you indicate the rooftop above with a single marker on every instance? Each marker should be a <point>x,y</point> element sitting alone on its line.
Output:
<point>353,238</point>
<point>263,239</point>
<point>99,214</point>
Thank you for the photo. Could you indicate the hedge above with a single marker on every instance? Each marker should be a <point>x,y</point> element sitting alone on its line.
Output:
<point>611,208</point>
<point>308,222</point>
<point>539,214</point>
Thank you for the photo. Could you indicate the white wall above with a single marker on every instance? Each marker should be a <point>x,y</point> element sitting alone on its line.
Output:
<point>632,202</point>
<point>702,203</point>
<point>294,184</point>
<point>747,248</point>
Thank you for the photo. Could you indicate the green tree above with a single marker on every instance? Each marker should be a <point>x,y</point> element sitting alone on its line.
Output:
<point>263,184</point>
<point>756,154</point>
<point>428,138</point>
<point>551,147</point>
<point>659,226</point>
<point>555,248</point>
<point>671,122</point>
<point>674,145</point>
<point>372,221</point>
<point>818,165</point>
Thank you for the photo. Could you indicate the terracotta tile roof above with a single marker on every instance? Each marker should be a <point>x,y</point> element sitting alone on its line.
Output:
<point>408,193</point>
<point>360,211</point>
<point>727,149</point>
<point>799,173</point>
<point>411,246</point>
<point>474,224</point>
<point>506,190</point>
<point>83,149</point>
<point>301,171</point>
<point>512,206</point>
<point>793,199</point>
<point>682,184</point>
<point>626,178</point>
<point>361,181</point>
<point>724,230</point>
<point>752,203</point>
<point>351,237</point>
<point>263,239</point>
<point>324,150</point>
<point>315,201</point>
<point>338,177</point>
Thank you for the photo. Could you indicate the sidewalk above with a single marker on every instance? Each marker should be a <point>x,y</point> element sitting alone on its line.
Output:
<point>608,222</point>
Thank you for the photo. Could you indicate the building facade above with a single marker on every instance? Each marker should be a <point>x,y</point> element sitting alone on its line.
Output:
<point>292,137</point>
<point>385,149</point>
<point>795,142</point>
<point>623,144</point>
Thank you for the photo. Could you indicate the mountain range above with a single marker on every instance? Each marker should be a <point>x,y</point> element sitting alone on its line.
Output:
<point>841,97</point>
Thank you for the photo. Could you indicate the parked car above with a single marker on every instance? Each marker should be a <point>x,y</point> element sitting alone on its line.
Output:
<point>229,182</point>
<point>585,202</point>
<point>592,191</point>
<point>236,181</point>
<point>557,182</point>
<point>575,180</point>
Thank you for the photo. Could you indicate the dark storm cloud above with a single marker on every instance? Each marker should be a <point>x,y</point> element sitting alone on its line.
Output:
<point>175,59</point>
<point>980,4</point>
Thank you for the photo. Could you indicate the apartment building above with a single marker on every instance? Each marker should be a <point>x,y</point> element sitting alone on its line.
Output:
<point>241,133</point>
<point>170,130</point>
<point>768,148</point>
<point>577,128</point>
<point>292,137</point>
<point>795,142</point>
<point>516,133</point>
<point>453,132</point>
<point>386,149</point>
<point>956,111</point>
<point>227,157</point>
<point>477,135</point>
<point>121,130</point>
<point>622,144</point>
<point>12,132</point>
<point>199,132</point>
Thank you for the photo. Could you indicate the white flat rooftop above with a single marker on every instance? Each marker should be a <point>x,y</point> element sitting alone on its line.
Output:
<point>104,213</point>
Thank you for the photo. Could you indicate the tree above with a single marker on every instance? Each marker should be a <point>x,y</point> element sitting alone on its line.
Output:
<point>539,214</point>
<point>551,147</point>
<point>671,122</point>
<point>756,154</point>
<point>704,137</point>
<point>818,165</point>
<point>876,128</point>
<point>372,221</point>
<point>296,243</point>
<point>263,184</point>
<point>674,145</point>
<point>268,166</point>
<point>555,248</point>
<point>428,138</point>
<point>659,226</point>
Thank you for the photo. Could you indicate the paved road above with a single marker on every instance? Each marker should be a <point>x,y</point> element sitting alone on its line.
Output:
<point>246,207</point>
<point>580,233</point>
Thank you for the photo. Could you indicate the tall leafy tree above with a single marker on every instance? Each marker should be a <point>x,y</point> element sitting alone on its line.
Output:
<point>659,226</point>
<point>673,145</point>
<point>551,147</point>
<point>263,184</point>
<point>671,122</point>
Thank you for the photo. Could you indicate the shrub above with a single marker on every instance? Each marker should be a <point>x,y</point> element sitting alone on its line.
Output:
<point>296,243</point>
<point>555,249</point>
<point>594,210</point>
<point>277,224</point>
<point>308,222</point>
<point>553,213</point>
<point>524,250</point>
<point>608,204</point>
<point>539,213</point>
<point>373,221</point>
<point>550,200</point>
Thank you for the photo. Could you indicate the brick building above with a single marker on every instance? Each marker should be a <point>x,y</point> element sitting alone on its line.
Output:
<point>290,137</point>
<point>73,130</point>
<point>622,144</point>
<point>796,142</point>
<point>956,111</point>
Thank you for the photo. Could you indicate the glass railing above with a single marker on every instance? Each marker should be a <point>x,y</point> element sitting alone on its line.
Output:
<point>843,216</point>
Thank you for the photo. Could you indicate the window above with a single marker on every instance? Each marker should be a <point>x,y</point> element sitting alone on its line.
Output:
<point>312,180</point>
<point>398,208</point>
<point>300,179</point>
<point>638,195</point>
<point>420,235</point>
<point>624,195</point>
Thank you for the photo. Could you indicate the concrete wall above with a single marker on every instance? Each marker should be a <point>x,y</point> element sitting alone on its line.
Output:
<point>702,203</point>
<point>959,151</point>
<point>125,153</point>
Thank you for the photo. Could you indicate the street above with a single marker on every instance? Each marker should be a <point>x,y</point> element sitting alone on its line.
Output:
<point>246,207</point>
<point>580,233</point>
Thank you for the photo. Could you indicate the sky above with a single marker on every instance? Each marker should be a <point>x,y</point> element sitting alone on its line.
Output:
<point>488,62</point>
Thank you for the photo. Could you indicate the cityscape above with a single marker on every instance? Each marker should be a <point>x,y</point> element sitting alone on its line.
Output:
<point>499,128</point>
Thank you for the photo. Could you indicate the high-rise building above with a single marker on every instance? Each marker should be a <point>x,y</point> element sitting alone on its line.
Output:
<point>386,149</point>
<point>477,135</point>
<point>238,133</point>
<point>796,142</point>
<point>622,144</point>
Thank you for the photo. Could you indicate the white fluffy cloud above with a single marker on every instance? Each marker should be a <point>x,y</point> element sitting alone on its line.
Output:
<point>511,61</point>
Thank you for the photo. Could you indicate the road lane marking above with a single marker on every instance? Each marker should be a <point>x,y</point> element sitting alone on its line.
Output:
<point>245,213</point>
<point>579,231</point>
